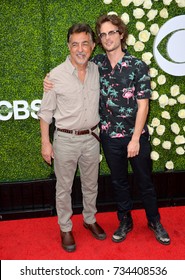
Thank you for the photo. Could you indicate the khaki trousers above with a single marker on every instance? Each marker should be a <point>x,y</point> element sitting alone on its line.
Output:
<point>69,151</point>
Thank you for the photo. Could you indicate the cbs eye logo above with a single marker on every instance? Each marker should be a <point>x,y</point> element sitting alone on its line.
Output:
<point>174,62</point>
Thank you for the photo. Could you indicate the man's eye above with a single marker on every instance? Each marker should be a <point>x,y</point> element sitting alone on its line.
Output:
<point>86,44</point>
<point>111,33</point>
<point>102,35</point>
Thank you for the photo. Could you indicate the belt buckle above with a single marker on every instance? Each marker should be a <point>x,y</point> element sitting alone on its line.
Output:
<point>75,132</point>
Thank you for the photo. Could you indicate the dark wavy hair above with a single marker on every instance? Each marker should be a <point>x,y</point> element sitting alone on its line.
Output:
<point>115,20</point>
<point>81,27</point>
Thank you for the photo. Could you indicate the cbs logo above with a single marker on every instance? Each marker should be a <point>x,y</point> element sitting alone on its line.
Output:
<point>174,30</point>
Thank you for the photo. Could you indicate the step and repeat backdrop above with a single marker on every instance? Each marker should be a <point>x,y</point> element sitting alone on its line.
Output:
<point>33,41</point>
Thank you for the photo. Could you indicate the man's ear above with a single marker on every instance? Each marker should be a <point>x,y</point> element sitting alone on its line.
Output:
<point>93,46</point>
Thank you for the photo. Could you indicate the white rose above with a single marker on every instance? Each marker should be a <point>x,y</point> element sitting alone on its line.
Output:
<point>180,151</point>
<point>152,14</point>
<point>154,155</point>
<point>172,101</point>
<point>140,25</point>
<point>150,129</point>
<point>153,85</point>
<point>155,122</point>
<point>167,2</point>
<point>100,158</point>
<point>165,115</point>
<point>166,145</point>
<point>112,13</point>
<point>160,129</point>
<point>153,72</point>
<point>154,29</point>
<point>154,95</point>
<point>180,3</point>
<point>144,36</point>
<point>137,2</point>
<point>169,165</point>
<point>175,128</point>
<point>138,13</point>
<point>107,1</point>
<point>147,4</point>
<point>179,140</point>
<point>161,79</point>
<point>184,128</point>
<point>156,141</point>
<point>125,18</point>
<point>181,99</point>
<point>163,13</point>
<point>139,46</point>
<point>174,90</point>
<point>181,113</point>
<point>163,100</point>
<point>125,3</point>
<point>131,40</point>
<point>146,57</point>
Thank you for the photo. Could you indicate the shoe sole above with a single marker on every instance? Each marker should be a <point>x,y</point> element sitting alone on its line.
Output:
<point>122,239</point>
<point>94,235</point>
<point>69,249</point>
<point>163,243</point>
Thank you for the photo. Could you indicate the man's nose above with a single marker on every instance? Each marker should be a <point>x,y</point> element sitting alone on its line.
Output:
<point>80,47</point>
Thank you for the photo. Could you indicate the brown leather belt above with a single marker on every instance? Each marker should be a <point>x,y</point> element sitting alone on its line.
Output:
<point>81,132</point>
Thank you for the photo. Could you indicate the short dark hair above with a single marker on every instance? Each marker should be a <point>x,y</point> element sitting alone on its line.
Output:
<point>81,27</point>
<point>115,20</point>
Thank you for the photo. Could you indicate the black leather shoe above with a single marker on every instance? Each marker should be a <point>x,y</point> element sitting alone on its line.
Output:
<point>96,231</point>
<point>160,233</point>
<point>125,226</point>
<point>68,242</point>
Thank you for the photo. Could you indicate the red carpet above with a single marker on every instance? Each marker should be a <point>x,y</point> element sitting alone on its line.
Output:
<point>39,239</point>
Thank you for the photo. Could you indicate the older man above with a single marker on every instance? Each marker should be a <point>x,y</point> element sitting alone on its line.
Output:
<point>73,103</point>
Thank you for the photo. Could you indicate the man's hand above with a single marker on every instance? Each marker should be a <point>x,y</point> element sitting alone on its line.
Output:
<point>133,148</point>
<point>47,152</point>
<point>47,84</point>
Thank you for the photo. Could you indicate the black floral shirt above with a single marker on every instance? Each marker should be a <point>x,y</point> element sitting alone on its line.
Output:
<point>119,90</point>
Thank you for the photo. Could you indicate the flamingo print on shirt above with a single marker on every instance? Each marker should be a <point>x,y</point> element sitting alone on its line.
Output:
<point>119,93</point>
<point>128,93</point>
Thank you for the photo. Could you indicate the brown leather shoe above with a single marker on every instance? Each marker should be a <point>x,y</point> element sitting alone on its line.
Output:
<point>96,231</point>
<point>68,242</point>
